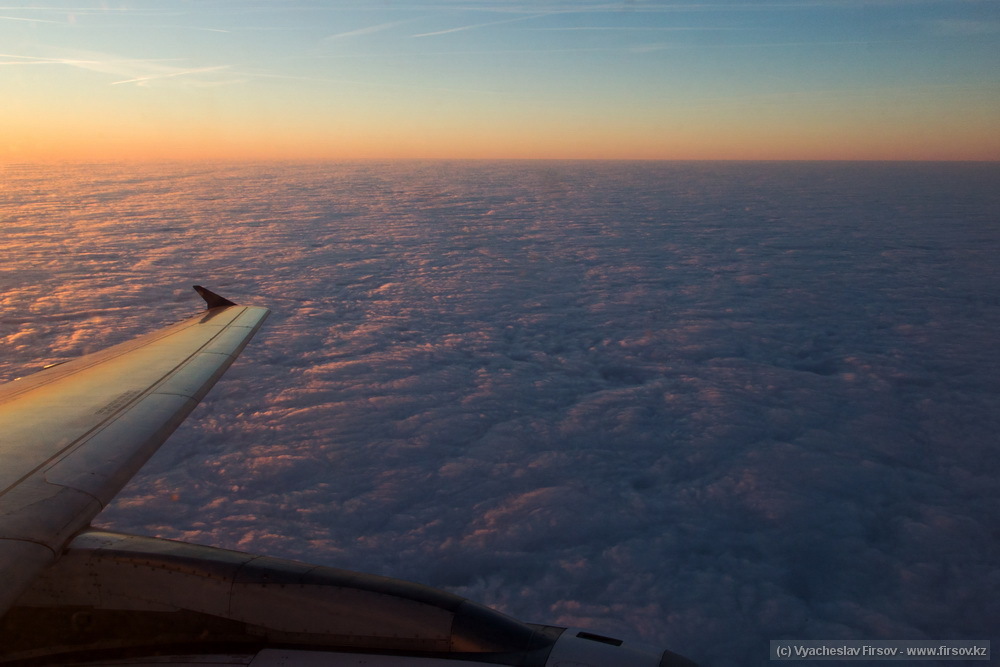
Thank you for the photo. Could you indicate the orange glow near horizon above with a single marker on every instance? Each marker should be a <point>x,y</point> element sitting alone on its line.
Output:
<point>78,138</point>
<point>151,126</point>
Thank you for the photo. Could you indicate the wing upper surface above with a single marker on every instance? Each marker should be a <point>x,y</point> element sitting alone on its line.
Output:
<point>71,436</point>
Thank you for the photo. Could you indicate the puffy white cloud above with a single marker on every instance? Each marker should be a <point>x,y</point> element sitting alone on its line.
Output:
<point>701,405</point>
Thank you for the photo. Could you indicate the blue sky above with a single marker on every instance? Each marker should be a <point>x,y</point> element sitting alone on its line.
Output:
<point>826,78</point>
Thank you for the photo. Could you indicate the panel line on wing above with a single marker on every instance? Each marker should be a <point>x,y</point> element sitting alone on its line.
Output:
<point>137,395</point>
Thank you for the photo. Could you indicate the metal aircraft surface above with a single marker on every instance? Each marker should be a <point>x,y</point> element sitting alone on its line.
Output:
<point>72,435</point>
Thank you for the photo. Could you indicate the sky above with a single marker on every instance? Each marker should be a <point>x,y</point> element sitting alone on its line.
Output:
<point>218,80</point>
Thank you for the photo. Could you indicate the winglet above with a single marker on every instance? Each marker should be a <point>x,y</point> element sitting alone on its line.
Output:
<point>212,299</point>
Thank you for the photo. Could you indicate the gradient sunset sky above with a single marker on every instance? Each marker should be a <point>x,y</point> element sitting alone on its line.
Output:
<point>348,79</point>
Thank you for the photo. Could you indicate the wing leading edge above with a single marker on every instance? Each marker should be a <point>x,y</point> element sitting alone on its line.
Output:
<point>74,434</point>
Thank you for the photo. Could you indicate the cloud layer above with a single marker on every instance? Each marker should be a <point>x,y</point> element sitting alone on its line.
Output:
<point>699,405</point>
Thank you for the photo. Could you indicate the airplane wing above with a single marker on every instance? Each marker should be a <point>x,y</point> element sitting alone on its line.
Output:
<point>72,435</point>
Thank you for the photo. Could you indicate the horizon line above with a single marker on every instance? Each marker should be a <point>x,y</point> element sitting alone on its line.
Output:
<point>347,160</point>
